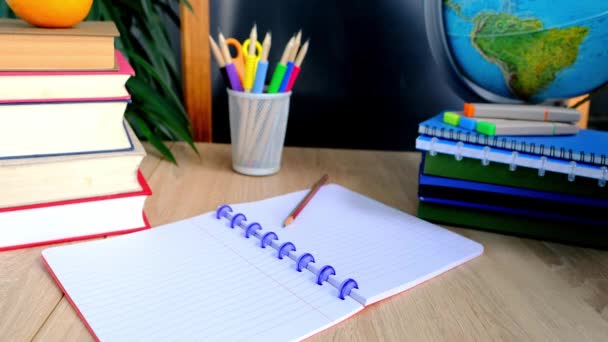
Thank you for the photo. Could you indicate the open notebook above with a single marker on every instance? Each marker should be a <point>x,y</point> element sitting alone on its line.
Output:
<point>200,279</point>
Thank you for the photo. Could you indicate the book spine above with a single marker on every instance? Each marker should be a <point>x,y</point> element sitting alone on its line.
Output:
<point>324,274</point>
<point>516,145</point>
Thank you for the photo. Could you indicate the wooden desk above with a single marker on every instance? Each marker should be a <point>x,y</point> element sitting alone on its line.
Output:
<point>519,290</point>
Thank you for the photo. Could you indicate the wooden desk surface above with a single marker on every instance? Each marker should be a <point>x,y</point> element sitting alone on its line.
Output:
<point>519,290</point>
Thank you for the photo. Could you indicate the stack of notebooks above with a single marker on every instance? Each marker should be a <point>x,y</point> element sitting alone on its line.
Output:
<point>545,187</point>
<point>69,161</point>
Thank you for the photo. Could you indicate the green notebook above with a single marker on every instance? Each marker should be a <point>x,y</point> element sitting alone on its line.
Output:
<point>444,165</point>
<point>578,234</point>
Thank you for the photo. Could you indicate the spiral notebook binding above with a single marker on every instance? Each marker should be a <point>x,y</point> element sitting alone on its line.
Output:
<point>303,261</point>
<point>485,161</point>
<point>572,173</point>
<point>267,238</point>
<point>504,143</point>
<point>287,249</point>
<point>513,165</point>
<point>541,168</point>
<point>602,181</point>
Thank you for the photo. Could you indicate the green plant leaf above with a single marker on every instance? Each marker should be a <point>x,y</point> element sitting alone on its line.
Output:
<point>142,127</point>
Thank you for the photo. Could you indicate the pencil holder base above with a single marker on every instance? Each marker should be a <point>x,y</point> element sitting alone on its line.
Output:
<point>249,171</point>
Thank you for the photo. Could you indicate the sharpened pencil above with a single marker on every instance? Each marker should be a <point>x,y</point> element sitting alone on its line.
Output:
<point>298,209</point>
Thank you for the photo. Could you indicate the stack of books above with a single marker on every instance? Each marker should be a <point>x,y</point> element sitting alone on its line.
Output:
<point>69,161</point>
<point>545,187</point>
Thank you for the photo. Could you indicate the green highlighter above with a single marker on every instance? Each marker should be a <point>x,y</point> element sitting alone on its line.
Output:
<point>486,128</point>
<point>451,118</point>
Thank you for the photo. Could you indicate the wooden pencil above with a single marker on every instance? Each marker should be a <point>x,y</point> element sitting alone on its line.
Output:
<point>217,53</point>
<point>302,54</point>
<point>287,51</point>
<point>296,46</point>
<point>298,209</point>
<point>224,49</point>
<point>266,47</point>
<point>253,38</point>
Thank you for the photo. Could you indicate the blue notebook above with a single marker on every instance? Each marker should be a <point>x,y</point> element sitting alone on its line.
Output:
<point>465,205</point>
<point>588,146</point>
<point>490,189</point>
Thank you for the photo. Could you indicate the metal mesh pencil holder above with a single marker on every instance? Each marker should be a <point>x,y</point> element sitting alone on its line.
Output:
<point>257,130</point>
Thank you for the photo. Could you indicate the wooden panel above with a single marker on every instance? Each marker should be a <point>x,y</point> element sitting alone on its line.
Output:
<point>196,67</point>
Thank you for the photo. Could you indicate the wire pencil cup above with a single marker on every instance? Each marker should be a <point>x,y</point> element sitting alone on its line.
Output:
<point>257,130</point>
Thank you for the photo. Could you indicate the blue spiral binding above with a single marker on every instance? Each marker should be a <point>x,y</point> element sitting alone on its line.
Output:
<point>237,219</point>
<point>285,249</point>
<point>254,226</point>
<point>347,286</point>
<point>306,258</point>
<point>324,274</point>
<point>265,239</point>
<point>303,261</point>
<point>221,210</point>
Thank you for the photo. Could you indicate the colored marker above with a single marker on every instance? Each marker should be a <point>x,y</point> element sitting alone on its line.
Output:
<point>233,76</point>
<point>521,127</point>
<point>262,69</point>
<point>250,59</point>
<point>290,65</point>
<point>456,119</point>
<point>297,65</point>
<point>509,127</point>
<point>220,61</point>
<point>279,71</point>
<point>521,112</point>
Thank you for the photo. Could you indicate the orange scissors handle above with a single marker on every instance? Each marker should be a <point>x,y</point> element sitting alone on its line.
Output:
<point>239,60</point>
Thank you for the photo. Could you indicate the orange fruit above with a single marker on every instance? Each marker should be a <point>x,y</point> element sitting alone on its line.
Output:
<point>51,13</point>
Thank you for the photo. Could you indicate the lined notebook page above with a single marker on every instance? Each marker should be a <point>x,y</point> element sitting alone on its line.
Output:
<point>195,279</point>
<point>385,250</point>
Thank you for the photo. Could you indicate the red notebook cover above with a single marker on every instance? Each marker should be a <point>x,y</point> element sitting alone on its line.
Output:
<point>145,191</point>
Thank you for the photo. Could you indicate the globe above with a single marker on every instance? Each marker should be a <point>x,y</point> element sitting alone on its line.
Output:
<point>524,50</point>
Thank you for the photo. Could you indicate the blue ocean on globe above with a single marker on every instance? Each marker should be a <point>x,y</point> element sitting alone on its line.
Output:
<point>588,70</point>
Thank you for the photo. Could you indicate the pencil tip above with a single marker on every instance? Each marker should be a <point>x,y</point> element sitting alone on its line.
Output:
<point>288,221</point>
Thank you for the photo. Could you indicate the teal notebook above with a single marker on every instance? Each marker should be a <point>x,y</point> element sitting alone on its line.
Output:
<point>588,146</point>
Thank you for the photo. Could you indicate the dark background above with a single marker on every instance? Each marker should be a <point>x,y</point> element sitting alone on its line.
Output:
<point>367,81</point>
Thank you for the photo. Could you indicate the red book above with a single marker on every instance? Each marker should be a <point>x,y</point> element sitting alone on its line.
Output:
<point>72,220</point>
<point>66,86</point>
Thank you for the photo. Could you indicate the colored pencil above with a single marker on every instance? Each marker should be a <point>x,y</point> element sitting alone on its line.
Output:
<point>262,69</point>
<point>233,76</point>
<point>297,65</point>
<point>250,60</point>
<point>298,209</point>
<point>279,71</point>
<point>220,61</point>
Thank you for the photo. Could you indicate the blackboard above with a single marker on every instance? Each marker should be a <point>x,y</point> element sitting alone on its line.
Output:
<point>369,77</point>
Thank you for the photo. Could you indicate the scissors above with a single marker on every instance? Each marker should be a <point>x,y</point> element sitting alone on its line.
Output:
<point>242,51</point>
